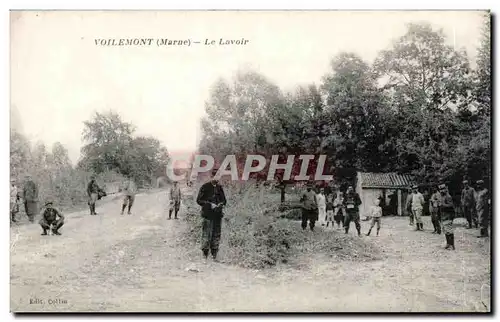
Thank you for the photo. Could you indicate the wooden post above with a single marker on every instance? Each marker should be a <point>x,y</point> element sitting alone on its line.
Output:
<point>400,210</point>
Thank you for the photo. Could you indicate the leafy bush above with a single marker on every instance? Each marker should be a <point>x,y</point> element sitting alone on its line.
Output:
<point>254,237</point>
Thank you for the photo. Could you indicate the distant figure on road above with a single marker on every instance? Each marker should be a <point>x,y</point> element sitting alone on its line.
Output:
<point>447,211</point>
<point>417,207</point>
<point>129,192</point>
<point>468,204</point>
<point>352,201</point>
<point>30,195</point>
<point>93,194</point>
<point>434,206</point>
<point>376,215</point>
<point>482,207</point>
<point>309,208</point>
<point>175,200</point>
<point>14,200</point>
<point>212,199</point>
<point>51,219</point>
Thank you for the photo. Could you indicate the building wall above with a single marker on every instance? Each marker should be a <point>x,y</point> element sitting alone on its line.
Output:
<point>368,197</point>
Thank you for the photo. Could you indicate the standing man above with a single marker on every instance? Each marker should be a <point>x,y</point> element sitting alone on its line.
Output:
<point>93,194</point>
<point>129,191</point>
<point>282,187</point>
<point>408,206</point>
<point>352,201</point>
<point>468,204</point>
<point>447,211</point>
<point>14,200</point>
<point>175,200</point>
<point>30,195</point>
<point>51,219</point>
<point>417,206</point>
<point>212,199</point>
<point>309,208</point>
<point>434,206</point>
<point>321,200</point>
<point>483,207</point>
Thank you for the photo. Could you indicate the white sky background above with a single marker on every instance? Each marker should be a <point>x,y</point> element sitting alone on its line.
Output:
<point>59,77</point>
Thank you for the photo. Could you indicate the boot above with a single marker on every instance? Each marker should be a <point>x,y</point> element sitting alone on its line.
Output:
<point>13,217</point>
<point>123,208</point>
<point>452,241</point>
<point>484,233</point>
<point>214,254</point>
<point>129,208</point>
<point>378,230</point>
<point>56,232</point>
<point>470,225</point>
<point>448,241</point>
<point>347,230</point>
<point>421,226</point>
<point>417,226</point>
<point>44,232</point>
<point>369,232</point>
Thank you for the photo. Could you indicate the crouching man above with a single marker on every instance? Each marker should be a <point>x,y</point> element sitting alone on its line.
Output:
<point>51,217</point>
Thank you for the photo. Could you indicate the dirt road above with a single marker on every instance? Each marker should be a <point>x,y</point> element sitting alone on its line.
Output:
<point>134,263</point>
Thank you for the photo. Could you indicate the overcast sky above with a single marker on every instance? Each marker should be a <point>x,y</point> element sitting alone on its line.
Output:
<point>59,77</point>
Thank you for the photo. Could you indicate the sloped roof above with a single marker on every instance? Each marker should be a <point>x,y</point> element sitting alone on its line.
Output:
<point>385,180</point>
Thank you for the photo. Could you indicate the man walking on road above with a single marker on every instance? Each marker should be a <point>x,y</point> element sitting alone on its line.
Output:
<point>417,206</point>
<point>212,199</point>
<point>30,195</point>
<point>447,211</point>
<point>468,204</point>
<point>434,206</point>
<point>483,208</point>
<point>175,200</point>
<point>352,201</point>
<point>129,191</point>
<point>309,208</point>
<point>93,194</point>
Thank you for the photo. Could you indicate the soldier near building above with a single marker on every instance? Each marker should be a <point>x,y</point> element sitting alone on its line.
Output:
<point>212,199</point>
<point>129,192</point>
<point>352,201</point>
<point>447,211</point>
<point>417,207</point>
<point>93,194</point>
<point>482,200</point>
<point>14,200</point>
<point>434,205</point>
<point>30,195</point>
<point>51,219</point>
<point>309,208</point>
<point>468,204</point>
<point>175,200</point>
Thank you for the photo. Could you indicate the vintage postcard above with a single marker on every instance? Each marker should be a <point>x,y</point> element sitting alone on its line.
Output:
<point>250,161</point>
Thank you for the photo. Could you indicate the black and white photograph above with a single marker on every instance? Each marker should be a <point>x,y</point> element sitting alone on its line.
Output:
<point>280,161</point>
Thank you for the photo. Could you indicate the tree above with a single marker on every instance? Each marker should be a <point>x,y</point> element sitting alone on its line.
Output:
<point>422,70</point>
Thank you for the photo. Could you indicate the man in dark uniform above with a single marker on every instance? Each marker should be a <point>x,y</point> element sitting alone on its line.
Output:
<point>468,204</point>
<point>51,217</point>
<point>352,201</point>
<point>309,208</point>
<point>447,211</point>
<point>93,194</point>
<point>30,195</point>
<point>482,207</point>
<point>212,199</point>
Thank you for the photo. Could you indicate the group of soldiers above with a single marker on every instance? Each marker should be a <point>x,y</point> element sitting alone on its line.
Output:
<point>52,219</point>
<point>474,204</point>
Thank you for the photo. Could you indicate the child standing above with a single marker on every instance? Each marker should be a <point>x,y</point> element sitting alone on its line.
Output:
<point>329,210</point>
<point>338,209</point>
<point>376,214</point>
